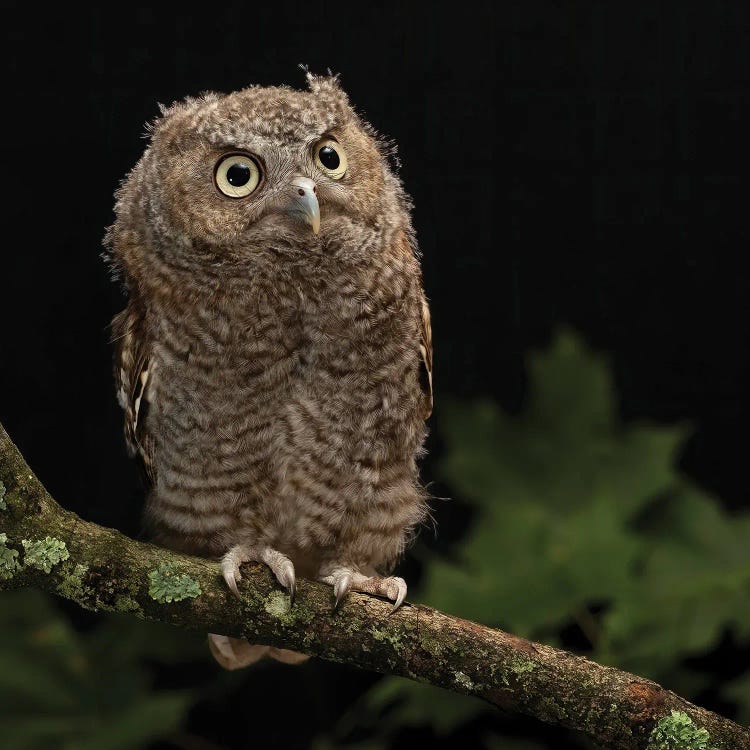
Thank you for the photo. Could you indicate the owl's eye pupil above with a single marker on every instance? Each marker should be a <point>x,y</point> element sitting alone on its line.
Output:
<point>238,175</point>
<point>329,157</point>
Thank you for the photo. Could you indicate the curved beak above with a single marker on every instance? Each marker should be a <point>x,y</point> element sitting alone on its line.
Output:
<point>304,202</point>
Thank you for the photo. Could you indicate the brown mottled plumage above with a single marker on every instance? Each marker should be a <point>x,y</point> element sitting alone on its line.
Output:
<point>275,378</point>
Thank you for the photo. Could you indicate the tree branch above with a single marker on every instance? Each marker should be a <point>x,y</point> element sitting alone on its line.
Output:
<point>102,570</point>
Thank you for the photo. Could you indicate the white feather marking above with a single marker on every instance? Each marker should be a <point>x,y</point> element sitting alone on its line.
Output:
<point>423,352</point>
<point>137,403</point>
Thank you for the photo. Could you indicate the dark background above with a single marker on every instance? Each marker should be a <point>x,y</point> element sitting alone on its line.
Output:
<point>570,163</point>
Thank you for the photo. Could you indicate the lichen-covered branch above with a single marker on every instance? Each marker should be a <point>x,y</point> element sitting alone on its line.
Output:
<point>43,545</point>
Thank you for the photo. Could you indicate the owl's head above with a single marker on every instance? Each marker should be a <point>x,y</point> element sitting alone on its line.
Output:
<point>265,169</point>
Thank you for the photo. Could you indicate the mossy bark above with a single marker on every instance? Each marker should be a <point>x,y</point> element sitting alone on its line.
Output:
<point>106,571</point>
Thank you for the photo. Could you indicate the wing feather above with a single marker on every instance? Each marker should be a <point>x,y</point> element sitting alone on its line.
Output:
<point>425,348</point>
<point>133,379</point>
<point>404,244</point>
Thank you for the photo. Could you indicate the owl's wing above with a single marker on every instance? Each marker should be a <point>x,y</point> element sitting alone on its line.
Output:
<point>133,379</point>
<point>425,348</point>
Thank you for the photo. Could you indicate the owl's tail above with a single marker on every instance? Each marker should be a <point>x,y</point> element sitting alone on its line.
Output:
<point>236,653</point>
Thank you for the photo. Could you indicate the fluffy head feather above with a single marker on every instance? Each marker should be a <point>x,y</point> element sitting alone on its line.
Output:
<point>170,199</point>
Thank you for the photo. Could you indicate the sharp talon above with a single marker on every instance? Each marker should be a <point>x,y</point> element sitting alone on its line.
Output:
<point>283,570</point>
<point>396,606</point>
<point>344,580</point>
<point>341,589</point>
<point>280,565</point>
<point>232,583</point>
<point>230,571</point>
<point>400,597</point>
<point>288,580</point>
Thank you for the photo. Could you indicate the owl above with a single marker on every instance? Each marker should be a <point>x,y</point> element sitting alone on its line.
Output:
<point>274,359</point>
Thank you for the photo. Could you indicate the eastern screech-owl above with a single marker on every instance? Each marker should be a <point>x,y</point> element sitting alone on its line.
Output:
<point>274,358</point>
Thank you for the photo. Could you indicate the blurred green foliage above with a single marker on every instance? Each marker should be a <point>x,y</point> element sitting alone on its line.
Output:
<point>580,521</point>
<point>92,690</point>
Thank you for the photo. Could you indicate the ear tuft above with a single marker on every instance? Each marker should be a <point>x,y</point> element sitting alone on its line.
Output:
<point>324,84</point>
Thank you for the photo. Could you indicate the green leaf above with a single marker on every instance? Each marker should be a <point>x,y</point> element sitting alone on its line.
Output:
<point>152,716</point>
<point>51,688</point>
<point>693,583</point>
<point>738,690</point>
<point>570,390</point>
<point>414,703</point>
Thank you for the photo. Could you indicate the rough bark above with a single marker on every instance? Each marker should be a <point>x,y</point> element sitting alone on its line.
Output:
<point>102,570</point>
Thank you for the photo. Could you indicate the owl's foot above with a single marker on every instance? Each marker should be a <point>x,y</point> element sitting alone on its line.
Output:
<point>281,566</point>
<point>345,580</point>
<point>235,653</point>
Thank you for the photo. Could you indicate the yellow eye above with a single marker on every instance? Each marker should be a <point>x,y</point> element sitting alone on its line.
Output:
<point>237,175</point>
<point>330,157</point>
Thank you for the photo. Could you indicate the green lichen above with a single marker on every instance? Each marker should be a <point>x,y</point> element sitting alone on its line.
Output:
<point>463,680</point>
<point>432,645</point>
<point>127,604</point>
<point>386,636</point>
<point>167,584</point>
<point>277,605</point>
<point>8,560</point>
<point>44,554</point>
<point>72,585</point>
<point>3,504</point>
<point>678,732</point>
<point>520,666</point>
<point>516,667</point>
